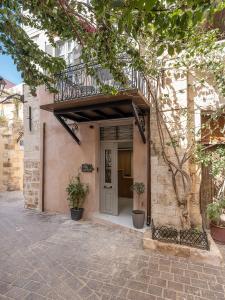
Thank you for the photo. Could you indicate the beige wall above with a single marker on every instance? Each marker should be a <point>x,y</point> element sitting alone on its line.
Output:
<point>63,160</point>
<point>64,157</point>
<point>139,166</point>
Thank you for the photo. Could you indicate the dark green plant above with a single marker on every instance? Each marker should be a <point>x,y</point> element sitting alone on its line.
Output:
<point>139,188</point>
<point>216,160</point>
<point>77,192</point>
<point>215,210</point>
<point>105,29</point>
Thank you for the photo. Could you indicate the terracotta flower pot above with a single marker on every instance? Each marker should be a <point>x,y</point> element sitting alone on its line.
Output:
<point>218,233</point>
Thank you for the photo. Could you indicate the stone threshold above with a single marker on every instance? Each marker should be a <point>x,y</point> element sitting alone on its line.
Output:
<point>211,257</point>
<point>98,220</point>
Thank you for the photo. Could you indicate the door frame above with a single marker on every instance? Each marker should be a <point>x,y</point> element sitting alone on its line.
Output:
<point>106,123</point>
<point>114,146</point>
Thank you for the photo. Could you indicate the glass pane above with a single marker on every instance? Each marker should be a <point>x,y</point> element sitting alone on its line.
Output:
<point>70,46</point>
<point>70,58</point>
<point>60,49</point>
<point>108,166</point>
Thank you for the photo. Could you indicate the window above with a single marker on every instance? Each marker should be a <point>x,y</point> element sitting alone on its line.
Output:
<point>68,50</point>
<point>35,39</point>
<point>213,128</point>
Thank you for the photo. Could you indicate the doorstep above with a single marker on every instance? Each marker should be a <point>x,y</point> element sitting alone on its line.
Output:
<point>122,222</point>
<point>212,257</point>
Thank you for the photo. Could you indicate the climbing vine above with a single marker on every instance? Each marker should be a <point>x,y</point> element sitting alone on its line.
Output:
<point>154,35</point>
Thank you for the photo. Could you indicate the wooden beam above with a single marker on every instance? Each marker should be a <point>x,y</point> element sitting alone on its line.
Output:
<point>101,113</point>
<point>63,123</point>
<point>93,106</point>
<point>82,115</point>
<point>70,116</point>
<point>138,123</point>
<point>118,111</point>
<point>110,117</point>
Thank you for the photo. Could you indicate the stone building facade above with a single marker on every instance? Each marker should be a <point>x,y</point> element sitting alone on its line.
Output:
<point>11,142</point>
<point>185,97</point>
<point>11,163</point>
<point>64,157</point>
<point>32,144</point>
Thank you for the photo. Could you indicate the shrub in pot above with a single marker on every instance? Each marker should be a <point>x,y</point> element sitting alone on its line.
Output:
<point>138,216</point>
<point>216,215</point>
<point>77,192</point>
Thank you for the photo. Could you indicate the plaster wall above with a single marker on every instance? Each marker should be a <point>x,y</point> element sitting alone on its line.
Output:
<point>139,167</point>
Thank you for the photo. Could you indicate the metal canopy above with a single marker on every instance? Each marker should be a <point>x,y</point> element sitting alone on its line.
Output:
<point>102,111</point>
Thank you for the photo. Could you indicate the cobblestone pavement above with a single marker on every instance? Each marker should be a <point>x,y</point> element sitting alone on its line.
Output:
<point>45,256</point>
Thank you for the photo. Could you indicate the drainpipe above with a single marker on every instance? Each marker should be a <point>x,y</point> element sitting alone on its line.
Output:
<point>43,169</point>
<point>149,200</point>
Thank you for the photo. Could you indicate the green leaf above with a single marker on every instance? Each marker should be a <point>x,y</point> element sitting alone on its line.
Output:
<point>170,50</point>
<point>160,50</point>
<point>149,4</point>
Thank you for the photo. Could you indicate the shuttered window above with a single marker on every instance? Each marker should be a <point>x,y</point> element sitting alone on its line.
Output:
<point>123,132</point>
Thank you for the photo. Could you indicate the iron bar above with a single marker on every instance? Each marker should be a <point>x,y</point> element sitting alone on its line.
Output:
<point>75,81</point>
<point>188,237</point>
<point>68,129</point>
<point>137,119</point>
<point>43,168</point>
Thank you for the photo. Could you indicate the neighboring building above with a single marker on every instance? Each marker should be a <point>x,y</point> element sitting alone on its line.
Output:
<point>117,135</point>
<point>11,139</point>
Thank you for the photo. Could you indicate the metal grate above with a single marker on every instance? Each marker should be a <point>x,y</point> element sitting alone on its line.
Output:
<point>123,132</point>
<point>194,238</point>
<point>190,237</point>
<point>165,234</point>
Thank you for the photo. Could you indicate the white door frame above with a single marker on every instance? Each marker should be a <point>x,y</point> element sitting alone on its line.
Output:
<point>109,190</point>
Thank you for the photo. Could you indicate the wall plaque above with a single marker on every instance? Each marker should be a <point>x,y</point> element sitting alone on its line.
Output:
<point>87,168</point>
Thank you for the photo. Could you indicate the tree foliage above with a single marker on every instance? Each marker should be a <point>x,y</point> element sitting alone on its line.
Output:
<point>148,31</point>
<point>153,34</point>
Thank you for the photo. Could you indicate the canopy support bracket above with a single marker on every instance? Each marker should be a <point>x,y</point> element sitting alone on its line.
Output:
<point>66,126</point>
<point>140,121</point>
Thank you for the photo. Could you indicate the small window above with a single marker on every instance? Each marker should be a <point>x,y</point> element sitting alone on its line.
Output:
<point>212,128</point>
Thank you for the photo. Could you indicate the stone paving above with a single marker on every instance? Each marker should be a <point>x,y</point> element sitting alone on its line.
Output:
<point>45,256</point>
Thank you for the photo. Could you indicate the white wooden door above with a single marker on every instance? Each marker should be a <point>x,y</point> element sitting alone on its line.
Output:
<point>109,178</point>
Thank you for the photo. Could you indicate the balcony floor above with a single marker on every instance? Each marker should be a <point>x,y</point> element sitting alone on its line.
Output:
<point>134,95</point>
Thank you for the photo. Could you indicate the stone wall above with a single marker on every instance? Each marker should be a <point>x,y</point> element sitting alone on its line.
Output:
<point>11,159</point>
<point>32,169</point>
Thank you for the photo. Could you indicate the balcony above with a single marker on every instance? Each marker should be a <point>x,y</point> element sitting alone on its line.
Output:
<point>75,83</point>
<point>82,98</point>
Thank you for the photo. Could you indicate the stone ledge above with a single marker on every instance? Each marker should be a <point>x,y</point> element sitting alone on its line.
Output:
<point>212,257</point>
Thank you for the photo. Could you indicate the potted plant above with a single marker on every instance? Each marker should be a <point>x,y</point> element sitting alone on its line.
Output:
<point>214,158</point>
<point>77,192</point>
<point>138,216</point>
<point>216,215</point>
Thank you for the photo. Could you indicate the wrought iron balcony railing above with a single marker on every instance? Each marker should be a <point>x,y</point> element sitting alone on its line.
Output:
<point>74,82</point>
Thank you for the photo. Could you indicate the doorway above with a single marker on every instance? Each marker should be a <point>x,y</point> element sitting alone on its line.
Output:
<point>116,171</point>
<point>125,177</point>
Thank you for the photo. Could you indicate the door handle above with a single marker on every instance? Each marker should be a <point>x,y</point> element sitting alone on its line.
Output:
<point>107,187</point>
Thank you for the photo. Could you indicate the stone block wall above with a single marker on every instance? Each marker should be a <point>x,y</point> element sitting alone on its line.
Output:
<point>32,170</point>
<point>11,159</point>
<point>164,204</point>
